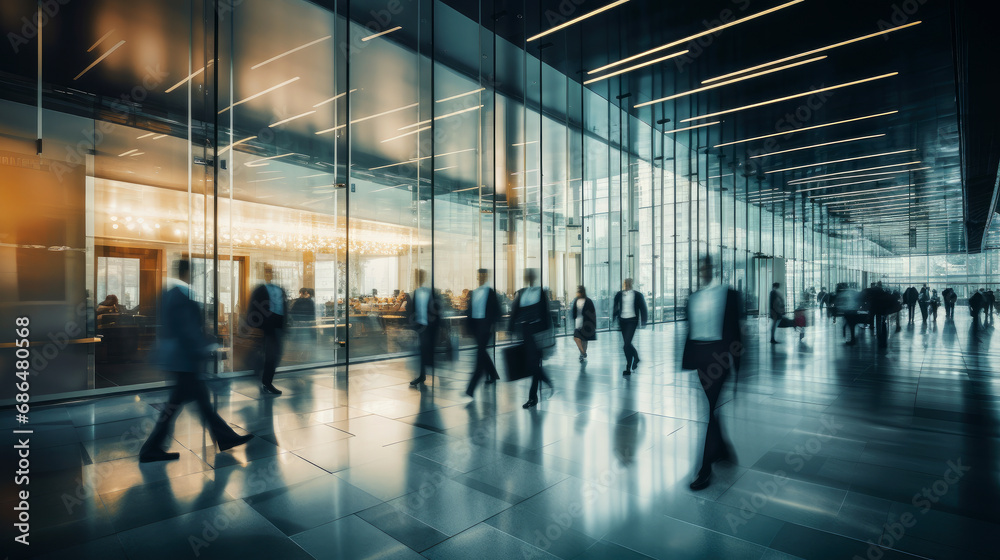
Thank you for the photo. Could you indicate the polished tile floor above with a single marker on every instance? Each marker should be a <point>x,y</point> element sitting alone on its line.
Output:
<point>840,449</point>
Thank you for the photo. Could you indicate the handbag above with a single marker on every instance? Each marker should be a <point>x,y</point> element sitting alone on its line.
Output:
<point>514,362</point>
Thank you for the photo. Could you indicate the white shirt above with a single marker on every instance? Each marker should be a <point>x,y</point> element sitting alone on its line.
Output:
<point>707,311</point>
<point>277,302</point>
<point>421,299</point>
<point>530,296</point>
<point>628,304</point>
<point>479,299</point>
<point>579,312</point>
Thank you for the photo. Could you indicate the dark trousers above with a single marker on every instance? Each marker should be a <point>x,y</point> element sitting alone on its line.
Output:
<point>923,311</point>
<point>188,388</point>
<point>428,341</point>
<point>533,362</point>
<point>272,355</point>
<point>910,306</point>
<point>949,310</point>
<point>484,364</point>
<point>713,373</point>
<point>628,327</point>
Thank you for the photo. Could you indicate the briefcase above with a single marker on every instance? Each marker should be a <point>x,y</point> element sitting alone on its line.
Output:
<point>514,362</point>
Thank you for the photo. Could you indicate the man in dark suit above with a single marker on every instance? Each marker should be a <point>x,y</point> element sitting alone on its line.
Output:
<point>423,313</point>
<point>628,309</point>
<point>267,313</point>
<point>530,317</point>
<point>184,348</point>
<point>977,303</point>
<point>713,348</point>
<point>776,307</point>
<point>482,314</point>
<point>910,297</point>
<point>950,297</point>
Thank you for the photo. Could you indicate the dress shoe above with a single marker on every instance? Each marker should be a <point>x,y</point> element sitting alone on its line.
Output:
<point>774,341</point>
<point>270,389</point>
<point>626,373</point>
<point>418,381</point>
<point>230,443</point>
<point>158,455</point>
<point>530,403</point>
<point>702,481</point>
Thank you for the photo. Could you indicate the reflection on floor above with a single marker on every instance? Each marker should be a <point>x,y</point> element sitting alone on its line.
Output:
<point>838,448</point>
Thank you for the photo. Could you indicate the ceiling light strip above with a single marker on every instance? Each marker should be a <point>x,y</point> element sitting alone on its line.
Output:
<point>192,76</point>
<point>460,95</point>
<point>237,143</point>
<point>807,181</point>
<point>289,119</point>
<point>286,53</point>
<point>257,163</point>
<point>695,36</point>
<point>439,117</point>
<point>839,161</point>
<point>720,84</point>
<point>386,32</point>
<point>101,40</point>
<point>807,53</point>
<point>128,152</point>
<point>406,134</point>
<point>576,20</point>
<point>853,193</point>
<point>789,97</point>
<point>818,145</point>
<point>265,92</point>
<point>813,179</point>
<point>636,67</point>
<point>99,59</point>
<point>334,98</point>
<point>838,185</point>
<point>790,132</point>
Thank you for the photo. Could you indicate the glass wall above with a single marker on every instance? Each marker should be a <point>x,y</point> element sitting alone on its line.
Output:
<point>344,148</point>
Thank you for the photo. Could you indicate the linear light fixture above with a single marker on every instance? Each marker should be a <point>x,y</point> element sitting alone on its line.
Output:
<point>795,96</point>
<point>192,76</point>
<point>525,143</point>
<point>446,168</point>
<point>676,130</point>
<point>439,117</point>
<point>266,180</point>
<point>458,96</point>
<point>813,179</point>
<point>415,160</point>
<point>853,193</point>
<point>805,129</point>
<point>265,92</point>
<point>720,84</point>
<point>464,190</point>
<point>237,143</point>
<point>695,36</point>
<point>807,181</point>
<point>386,32</point>
<point>136,154</point>
<point>637,66</point>
<point>101,40</point>
<point>286,53</point>
<point>807,53</point>
<point>838,185</point>
<point>389,112</point>
<point>387,188</point>
<point>839,161</point>
<point>406,134</point>
<point>257,163</point>
<point>99,59</point>
<point>128,152</point>
<point>289,119</point>
<point>576,20</point>
<point>158,137</point>
<point>866,200</point>
<point>147,135</point>
<point>334,98</point>
<point>818,145</point>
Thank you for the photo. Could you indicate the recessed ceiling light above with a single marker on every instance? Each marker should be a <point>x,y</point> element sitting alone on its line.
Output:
<point>128,152</point>
<point>460,95</point>
<point>814,178</point>
<point>237,143</point>
<point>101,40</point>
<point>839,161</point>
<point>406,134</point>
<point>840,185</point>
<point>713,30</point>
<point>258,163</point>
<point>289,119</point>
<point>789,132</point>
<point>807,53</point>
<point>818,145</point>
<point>147,135</point>
<point>720,84</point>
<point>185,80</point>
<point>334,98</point>
<point>99,59</point>
<point>256,95</point>
<point>381,33</point>
<point>789,97</point>
<point>636,67</point>
<point>575,20</point>
<point>676,130</point>
<point>286,53</point>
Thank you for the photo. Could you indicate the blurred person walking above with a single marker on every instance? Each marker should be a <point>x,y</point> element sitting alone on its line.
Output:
<point>267,313</point>
<point>910,297</point>
<point>482,315</point>
<point>584,321</point>
<point>185,349</point>
<point>529,317</point>
<point>423,312</point>
<point>629,309</point>
<point>776,306</point>
<point>713,348</point>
